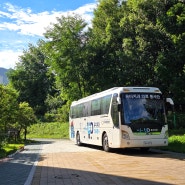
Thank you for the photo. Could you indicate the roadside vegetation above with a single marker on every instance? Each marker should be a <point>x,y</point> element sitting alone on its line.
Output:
<point>176,141</point>
<point>8,149</point>
<point>54,130</point>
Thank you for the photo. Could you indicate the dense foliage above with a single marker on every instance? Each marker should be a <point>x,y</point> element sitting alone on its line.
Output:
<point>8,107</point>
<point>54,130</point>
<point>15,117</point>
<point>32,79</point>
<point>130,43</point>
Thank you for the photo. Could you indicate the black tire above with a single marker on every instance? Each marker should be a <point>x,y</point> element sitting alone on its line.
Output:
<point>78,142</point>
<point>105,143</point>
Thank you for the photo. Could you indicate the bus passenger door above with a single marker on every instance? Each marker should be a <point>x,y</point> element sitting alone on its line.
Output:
<point>115,119</point>
<point>87,123</point>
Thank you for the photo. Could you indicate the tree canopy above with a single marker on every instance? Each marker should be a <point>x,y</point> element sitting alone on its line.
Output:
<point>14,116</point>
<point>32,79</point>
<point>64,51</point>
<point>8,108</point>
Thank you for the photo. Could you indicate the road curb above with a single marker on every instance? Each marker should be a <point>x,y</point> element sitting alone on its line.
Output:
<point>19,150</point>
<point>5,159</point>
<point>167,152</point>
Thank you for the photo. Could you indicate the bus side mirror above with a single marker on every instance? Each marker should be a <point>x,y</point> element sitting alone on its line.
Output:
<point>170,101</point>
<point>169,105</point>
<point>170,109</point>
<point>118,100</point>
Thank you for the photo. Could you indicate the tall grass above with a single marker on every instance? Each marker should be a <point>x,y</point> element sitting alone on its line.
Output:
<point>55,130</point>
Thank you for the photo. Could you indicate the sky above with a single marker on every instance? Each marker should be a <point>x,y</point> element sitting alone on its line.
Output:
<point>24,21</point>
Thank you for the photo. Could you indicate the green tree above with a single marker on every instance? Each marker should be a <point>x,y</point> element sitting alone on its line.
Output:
<point>32,79</point>
<point>26,117</point>
<point>8,108</point>
<point>143,41</point>
<point>138,43</point>
<point>105,46</point>
<point>64,51</point>
<point>172,63</point>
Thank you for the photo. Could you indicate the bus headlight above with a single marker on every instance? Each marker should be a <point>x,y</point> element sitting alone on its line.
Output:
<point>125,135</point>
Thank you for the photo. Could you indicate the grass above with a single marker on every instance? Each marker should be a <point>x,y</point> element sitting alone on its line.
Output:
<point>9,149</point>
<point>176,141</point>
<point>54,130</point>
<point>177,144</point>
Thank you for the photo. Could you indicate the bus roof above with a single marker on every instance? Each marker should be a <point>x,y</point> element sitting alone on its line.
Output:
<point>117,90</point>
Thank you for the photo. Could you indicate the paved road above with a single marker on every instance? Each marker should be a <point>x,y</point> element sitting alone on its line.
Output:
<point>15,170</point>
<point>20,168</point>
<point>61,162</point>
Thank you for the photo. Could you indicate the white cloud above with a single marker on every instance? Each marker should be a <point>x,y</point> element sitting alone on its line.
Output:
<point>86,12</point>
<point>9,26</point>
<point>8,58</point>
<point>25,22</point>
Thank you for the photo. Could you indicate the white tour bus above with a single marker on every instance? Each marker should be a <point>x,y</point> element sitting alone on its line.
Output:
<point>120,117</point>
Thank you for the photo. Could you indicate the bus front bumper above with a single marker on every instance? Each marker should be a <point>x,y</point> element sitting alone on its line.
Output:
<point>144,143</point>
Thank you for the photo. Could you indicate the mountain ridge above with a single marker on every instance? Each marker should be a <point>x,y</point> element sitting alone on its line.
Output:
<point>3,76</point>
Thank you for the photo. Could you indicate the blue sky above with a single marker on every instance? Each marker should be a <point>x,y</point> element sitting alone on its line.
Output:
<point>24,21</point>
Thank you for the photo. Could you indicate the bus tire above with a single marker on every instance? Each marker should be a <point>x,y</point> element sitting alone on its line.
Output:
<point>78,142</point>
<point>105,143</point>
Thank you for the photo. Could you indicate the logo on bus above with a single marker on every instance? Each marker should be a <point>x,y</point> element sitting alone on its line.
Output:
<point>147,131</point>
<point>90,127</point>
<point>93,127</point>
<point>72,130</point>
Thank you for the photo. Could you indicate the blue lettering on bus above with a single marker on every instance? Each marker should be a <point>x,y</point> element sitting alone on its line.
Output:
<point>72,130</point>
<point>90,127</point>
<point>96,131</point>
<point>93,128</point>
<point>146,130</point>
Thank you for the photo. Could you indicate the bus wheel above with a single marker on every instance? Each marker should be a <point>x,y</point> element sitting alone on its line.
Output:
<point>105,143</point>
<point>78,142</point>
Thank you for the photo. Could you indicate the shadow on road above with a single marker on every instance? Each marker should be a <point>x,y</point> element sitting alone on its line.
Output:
<point>138,152</point>
<point>15,170</point>
<point>48,175</point>
<point>41,141</point>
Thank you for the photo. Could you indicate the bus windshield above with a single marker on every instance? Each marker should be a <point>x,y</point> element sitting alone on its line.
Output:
<point>143,107</point>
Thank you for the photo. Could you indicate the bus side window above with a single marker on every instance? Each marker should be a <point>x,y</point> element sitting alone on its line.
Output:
<point>105,104</point>
<point>95,107</point>
<point>114,110</point>
<point>79,111</point>
<point>73,112</point>
<point>86,109</point>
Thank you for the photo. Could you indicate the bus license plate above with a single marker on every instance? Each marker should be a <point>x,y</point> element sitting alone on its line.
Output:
<point>147,142</point>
